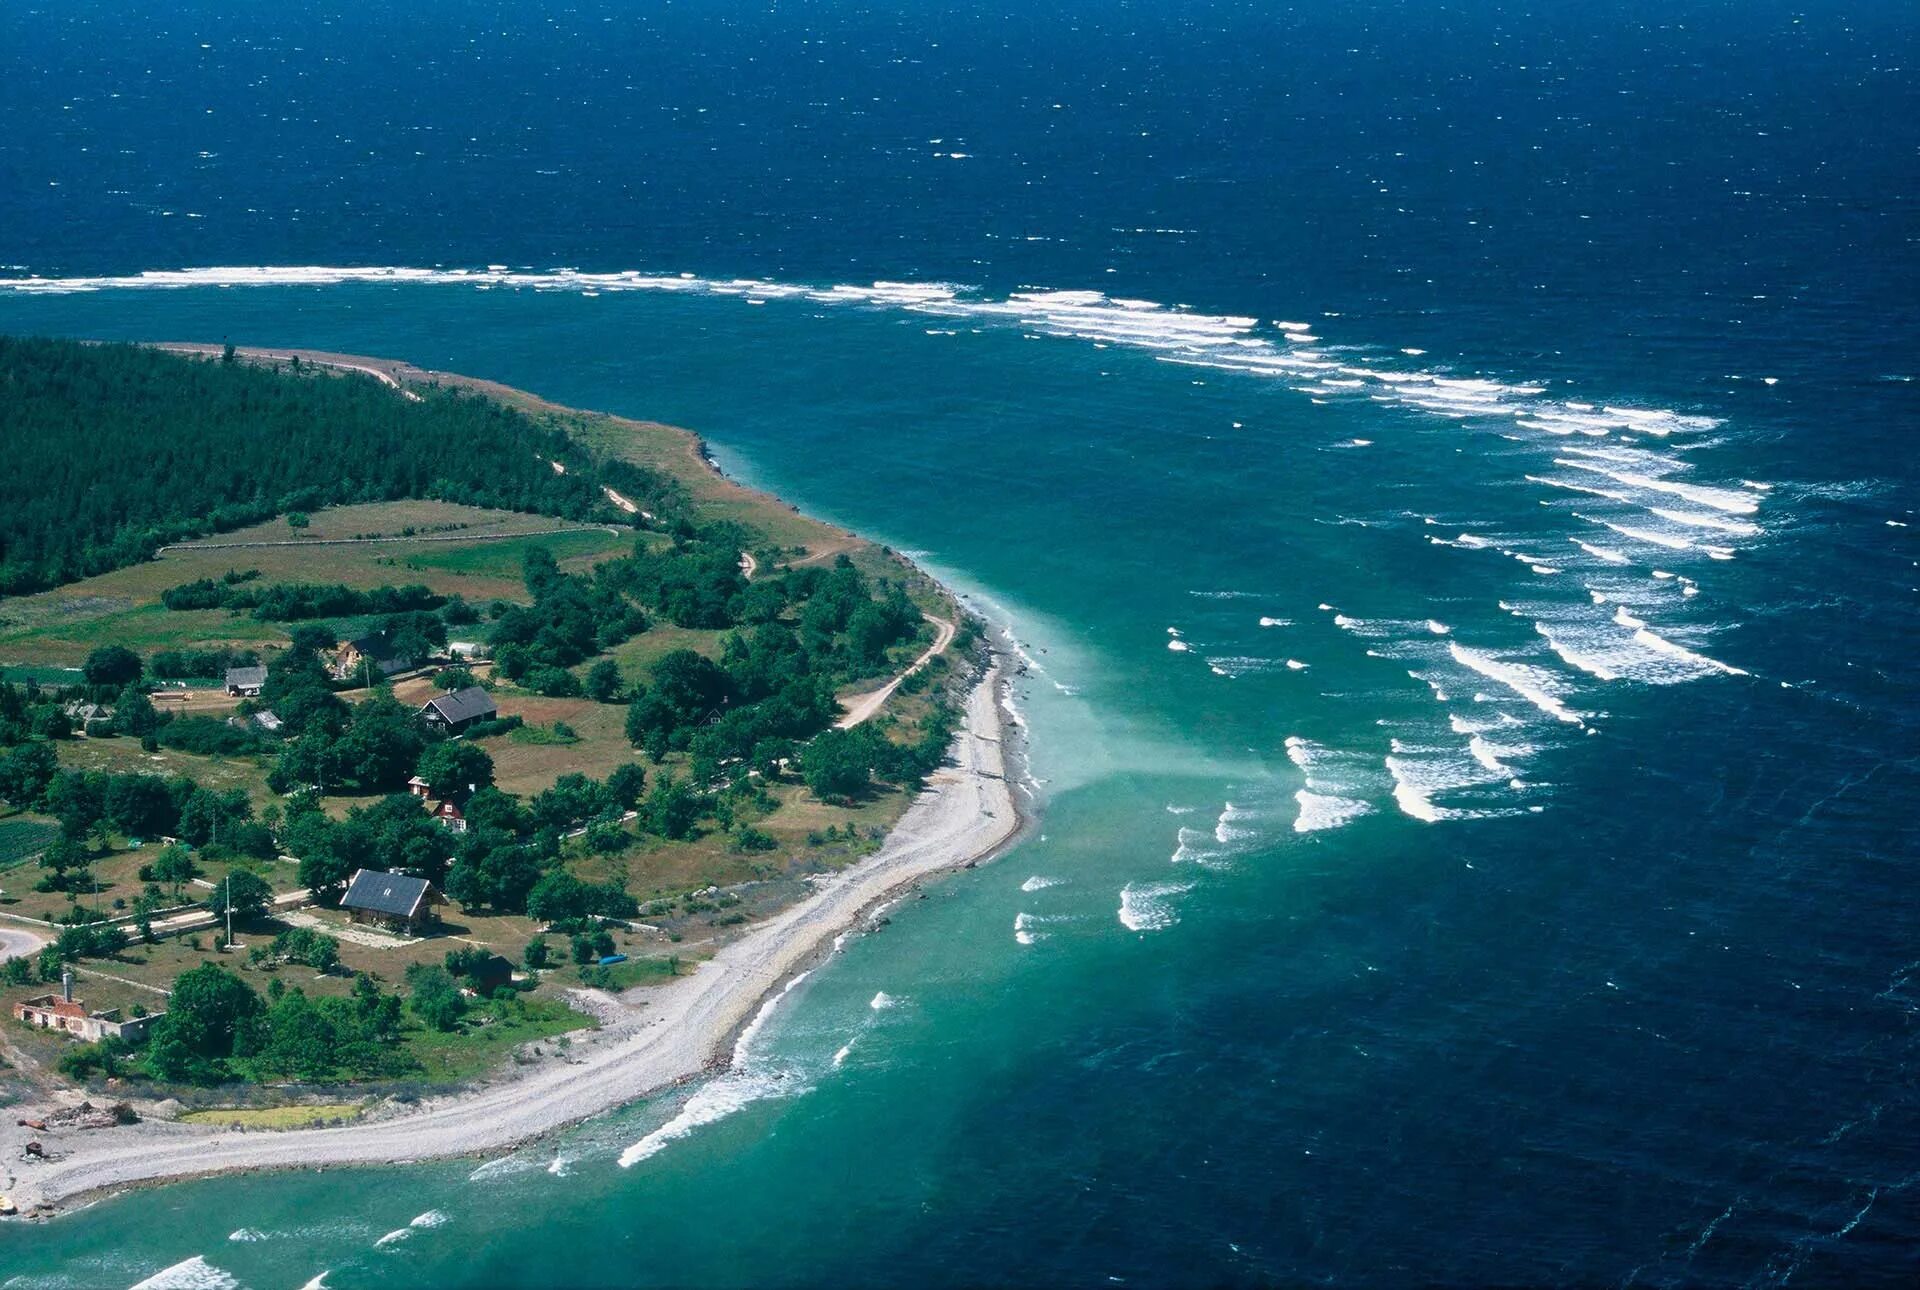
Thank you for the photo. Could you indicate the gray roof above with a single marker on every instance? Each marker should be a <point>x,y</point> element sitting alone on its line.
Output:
<point>379,651</point>
<point>244,676</point>
<point>386,893</point>
<point>460,706</point>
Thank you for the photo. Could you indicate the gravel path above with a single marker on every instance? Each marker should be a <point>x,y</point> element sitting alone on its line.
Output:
<point>668,1034</point>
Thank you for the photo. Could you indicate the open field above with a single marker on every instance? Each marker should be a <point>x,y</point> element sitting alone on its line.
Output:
<point>116,883</point>
<point>60,627</point>
<point>124,756</point>
<point>274,1117</point>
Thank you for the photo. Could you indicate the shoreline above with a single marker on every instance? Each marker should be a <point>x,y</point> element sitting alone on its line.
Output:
<point>664,1036</point>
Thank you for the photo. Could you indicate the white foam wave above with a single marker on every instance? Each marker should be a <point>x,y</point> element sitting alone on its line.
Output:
<point>1148,907</point>
<point>714,1101</point>
<point>1038,883</point>
<point>191,1274</point>
<point>1319,811</point>
<point>1175,334</point>
<point>1647,637</point>
<point>1530,683</point>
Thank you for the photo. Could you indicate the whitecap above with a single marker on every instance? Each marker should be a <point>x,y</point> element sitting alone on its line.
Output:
<point>191,1274</point>
<point>1530,683</point>
<point>1320,811</point>
<point>1148,907</point>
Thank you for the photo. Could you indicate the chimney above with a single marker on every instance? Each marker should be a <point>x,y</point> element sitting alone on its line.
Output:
<point>66,985</point>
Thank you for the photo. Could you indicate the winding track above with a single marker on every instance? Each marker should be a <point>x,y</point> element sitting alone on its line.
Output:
<point>862,707</point>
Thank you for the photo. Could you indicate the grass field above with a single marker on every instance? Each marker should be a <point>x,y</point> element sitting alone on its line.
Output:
<point>275,1117</point>
<point>57,629</point>
<point>123,756</point>
<point>504,559</point>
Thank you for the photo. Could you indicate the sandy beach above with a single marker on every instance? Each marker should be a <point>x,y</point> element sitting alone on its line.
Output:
<point>656,1037</point>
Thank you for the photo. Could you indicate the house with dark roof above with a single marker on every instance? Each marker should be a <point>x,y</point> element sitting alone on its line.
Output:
<point>453,712</point>
<point>367,658</point>
<point>396,901</point>
<point>246,682</point>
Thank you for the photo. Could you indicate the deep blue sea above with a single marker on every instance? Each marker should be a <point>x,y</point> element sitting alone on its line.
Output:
<point>1450,470</point>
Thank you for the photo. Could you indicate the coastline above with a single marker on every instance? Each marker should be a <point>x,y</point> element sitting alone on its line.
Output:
<point>660,1037</point>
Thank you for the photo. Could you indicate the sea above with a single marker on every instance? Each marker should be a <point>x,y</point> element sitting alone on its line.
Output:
<point>1448,470</point>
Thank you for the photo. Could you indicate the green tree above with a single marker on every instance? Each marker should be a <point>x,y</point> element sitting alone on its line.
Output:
<point>247,894</point>
<point>839,764</point>
<point>112,665</point>
<point>673,808</point>
<point>133,713</point>
<point>434,996</point>
<point>26,772</point>
<point>604,682</point>
<point>455,766</point>
<point>625,783</point>
<point>175,867</point>
<point>208,1012</point>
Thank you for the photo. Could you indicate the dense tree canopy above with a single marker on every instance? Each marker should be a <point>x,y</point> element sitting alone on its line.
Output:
<point>177,448</point>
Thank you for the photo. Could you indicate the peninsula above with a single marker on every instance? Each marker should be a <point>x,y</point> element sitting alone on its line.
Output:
<point>685,908</point>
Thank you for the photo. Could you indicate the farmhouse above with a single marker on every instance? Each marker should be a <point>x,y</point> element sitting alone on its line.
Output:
<point>453,712</point>
<point>449,811</point>
<point>396,901</point>
<point>65,1013</point>
<point>246,682</point>
<point>368,656</point>
<point>80,713</point>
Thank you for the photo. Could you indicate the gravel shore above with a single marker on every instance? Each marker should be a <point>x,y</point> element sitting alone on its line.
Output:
<point>662,1035</point>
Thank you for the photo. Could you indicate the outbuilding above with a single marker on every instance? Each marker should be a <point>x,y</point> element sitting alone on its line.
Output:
<point>246,682</point>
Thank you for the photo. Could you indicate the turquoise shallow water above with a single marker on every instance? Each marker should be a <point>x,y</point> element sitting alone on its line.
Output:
<point>1201,1027</point>
<point>1548,394</point>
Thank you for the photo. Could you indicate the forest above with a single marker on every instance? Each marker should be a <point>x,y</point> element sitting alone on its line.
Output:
<point>179,448</point>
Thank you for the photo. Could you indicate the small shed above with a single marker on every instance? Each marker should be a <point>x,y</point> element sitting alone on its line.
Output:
<point>491,975</point>
<point>453,712</point>
<point>393,900</point>
<point>246,682</point>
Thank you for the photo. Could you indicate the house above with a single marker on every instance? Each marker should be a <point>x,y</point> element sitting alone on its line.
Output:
<point>65,1013</point>
<point>453,712</point>
<point>81,713</point>
<point>468,651</point>
<point>396,901</point>
<point>451,813</point>
<point>367,656</point>
<point>246,682</point>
